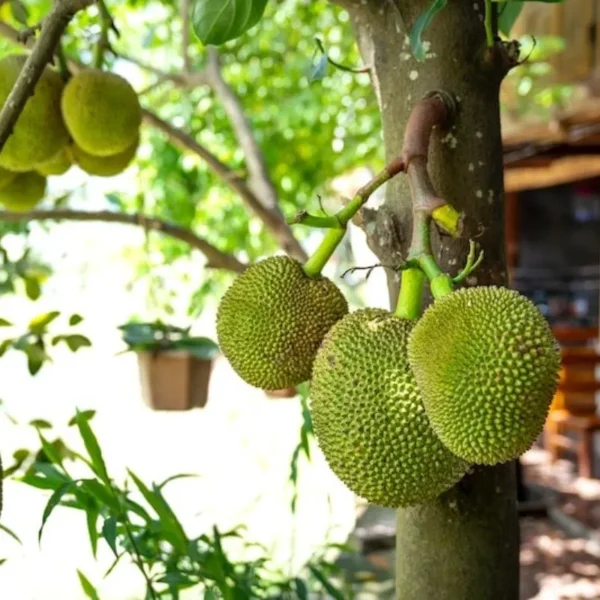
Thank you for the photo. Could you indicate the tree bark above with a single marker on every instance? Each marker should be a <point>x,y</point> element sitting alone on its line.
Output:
<point>465,545</point>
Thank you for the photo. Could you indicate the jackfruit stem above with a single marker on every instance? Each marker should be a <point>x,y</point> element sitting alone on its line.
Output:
<point>102,44</point>
<point>410,297</point>
<point>338,223</point>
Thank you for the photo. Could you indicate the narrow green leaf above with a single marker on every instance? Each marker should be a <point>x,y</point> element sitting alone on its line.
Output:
<point>11,533</point>
<point>93,448</point>
<point>109,533</point>
<point>329,587</point>
<point>40,424</point>
<point>53,502</point>
<point>19,11</point>
<point>421,25</point>
<point>36,356</point>
<point>91,515</point>
<point>101,493</point>
<point>163,510</point>
<point>39,323</point>
<point>84,414</point>
<point>5,323</point>
<point>87,587</point>
<point>175,478</point>
<point>301,589</point>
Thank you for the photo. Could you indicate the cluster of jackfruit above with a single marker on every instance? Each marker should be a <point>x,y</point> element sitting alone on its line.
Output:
<point>401,408</point>
<point>92,121</point>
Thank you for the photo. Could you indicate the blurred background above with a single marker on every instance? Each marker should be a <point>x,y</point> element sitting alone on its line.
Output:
<point>118,320</point>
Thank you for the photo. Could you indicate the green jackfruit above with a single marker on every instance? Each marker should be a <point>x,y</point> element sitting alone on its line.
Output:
<point>487,364</point>
<point>57,165</point>
<point>6,177</point>
<point>40,132</point>
<point>104,166</point>
<point>23,192</point>
<point>369,417</point>
<point>272,319</point>
<point>102,112</point>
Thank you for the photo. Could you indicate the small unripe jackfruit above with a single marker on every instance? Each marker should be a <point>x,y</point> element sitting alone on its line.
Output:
<point>39,132</point>
<point>102,112</point>
<point>57,165</point>
<point>487,364</point>
<point>369,417</point>
<point>23,192</point>
<point>104,166</point>
<point>272,319</point>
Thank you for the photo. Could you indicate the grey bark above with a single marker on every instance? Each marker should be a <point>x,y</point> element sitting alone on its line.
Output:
<point>465,546</point>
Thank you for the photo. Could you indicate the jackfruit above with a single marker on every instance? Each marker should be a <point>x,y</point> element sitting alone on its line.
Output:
<point>39,132</point>
<point>104,166</point>
<point>487,365</point>
<point>271,321</point>
<point>6,176</point>
<point>102,112</point>
<point>23,192</point>
<point>369,418</point>
<point>58,165</point>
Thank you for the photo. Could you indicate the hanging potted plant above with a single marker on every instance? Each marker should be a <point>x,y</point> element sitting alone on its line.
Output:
<point>174,366</point>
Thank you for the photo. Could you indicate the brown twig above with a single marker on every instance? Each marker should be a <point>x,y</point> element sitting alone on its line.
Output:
<point>217,259</point>
<point>52,29</point>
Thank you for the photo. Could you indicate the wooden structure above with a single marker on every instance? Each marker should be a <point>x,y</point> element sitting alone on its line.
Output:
<point>552,161</point>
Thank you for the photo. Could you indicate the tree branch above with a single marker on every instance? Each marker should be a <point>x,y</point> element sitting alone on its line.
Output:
<point>259,179</point>
<point>52,29</point>
<point>272,219</point>
<point>216,258</point>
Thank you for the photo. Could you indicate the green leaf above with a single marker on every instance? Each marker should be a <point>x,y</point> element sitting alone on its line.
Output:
<point>84,414</point>
<point>91,515</point>
<point>101,493</point>
<point>421,25</point>
<point>33,288</point>
<point>54,501</point>
<point>19,11</point>
<point>87,587</point>
<point>109,533</point>
<point>11,533</point>
<point>219,21</point>
<point>301,589</point>
<point>318,69</point>
<point>40,424</point>
<point>175,478</point>
<point>39,323</point>
<point>36,356</point>
<point>156,500</point>
<point>329,588</point>
<point>75,319</point>
<point>4,346</point>
<point>93,448</point>
<point>5,323</point>
<point>76,341</point>
<point>508,14</point>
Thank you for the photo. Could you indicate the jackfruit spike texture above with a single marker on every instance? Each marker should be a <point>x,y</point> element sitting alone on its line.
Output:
<point>102,112</point>
<point>369,417</point>
<point>6,177</point>
<point>271,321</point>
<point>104,166</point>
<point>23,192</point>
<point>59,164</point>
<point>487,364</point>
<point>40,132</point>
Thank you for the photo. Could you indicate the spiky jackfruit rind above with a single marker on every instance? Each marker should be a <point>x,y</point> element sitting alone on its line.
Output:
<point>271,321</point>
<point>39,133</point>
<point>24,192</point>
<point>59,164</point>
<point>102,112</point>
<point>487,364</point>
<point>104,166</point>
<point>369,417</point>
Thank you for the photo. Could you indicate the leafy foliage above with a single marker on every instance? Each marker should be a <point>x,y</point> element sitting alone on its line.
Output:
<point>137,523</point>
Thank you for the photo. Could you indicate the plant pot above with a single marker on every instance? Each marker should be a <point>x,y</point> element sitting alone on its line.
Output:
<point>174,380</point>
<point>290,392</point>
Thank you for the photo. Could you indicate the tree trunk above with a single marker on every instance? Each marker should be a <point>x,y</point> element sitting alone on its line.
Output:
<point>465,546</point>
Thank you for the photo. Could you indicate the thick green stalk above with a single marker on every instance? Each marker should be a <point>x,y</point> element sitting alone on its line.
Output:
<point>410,297</point>
<point>314,265</point>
